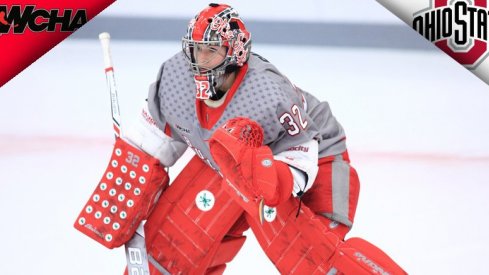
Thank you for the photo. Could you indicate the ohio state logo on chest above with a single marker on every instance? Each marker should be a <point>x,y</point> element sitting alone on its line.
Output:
<point>458,27</point>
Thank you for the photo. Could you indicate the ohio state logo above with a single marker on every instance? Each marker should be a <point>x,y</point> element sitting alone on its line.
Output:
<point>458,27</point>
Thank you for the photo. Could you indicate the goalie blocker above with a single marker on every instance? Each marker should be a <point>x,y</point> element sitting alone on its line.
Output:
<point>124,197</point>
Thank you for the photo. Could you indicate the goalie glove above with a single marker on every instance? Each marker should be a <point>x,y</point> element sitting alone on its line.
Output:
<point>124,197</point>
<point>248,168</point>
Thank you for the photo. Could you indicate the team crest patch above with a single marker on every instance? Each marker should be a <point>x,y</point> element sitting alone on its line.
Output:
<point>458,27</point>
<point>205,200</point>
<point>269,213</point>
<point>266,163</point>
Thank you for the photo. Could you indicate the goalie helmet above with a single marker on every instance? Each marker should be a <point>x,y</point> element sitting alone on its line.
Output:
<point>218,34</point>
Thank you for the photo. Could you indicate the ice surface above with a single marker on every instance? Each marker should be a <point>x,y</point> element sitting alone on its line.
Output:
<point>417,127</point>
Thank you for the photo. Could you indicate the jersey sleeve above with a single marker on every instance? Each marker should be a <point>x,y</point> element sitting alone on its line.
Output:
<point>297,140</point>
<point>307,132</point>
<point>294,124</point>
<point>332,140</point>
<point>154,101</point>
<point>150,133</point>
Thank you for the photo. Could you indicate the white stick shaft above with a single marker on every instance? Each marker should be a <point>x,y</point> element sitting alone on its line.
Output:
<point>109,73</point>
<point>136,254</point>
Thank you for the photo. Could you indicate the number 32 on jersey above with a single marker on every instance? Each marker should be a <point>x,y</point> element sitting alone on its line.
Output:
<point>287,119</point>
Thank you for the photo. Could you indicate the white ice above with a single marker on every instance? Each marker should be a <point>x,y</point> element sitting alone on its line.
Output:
<point>417,127</point>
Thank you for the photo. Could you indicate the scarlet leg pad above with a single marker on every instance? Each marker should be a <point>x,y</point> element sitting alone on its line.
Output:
<point>357,256</point>
<point>305,245</point>
<point>186,232</point>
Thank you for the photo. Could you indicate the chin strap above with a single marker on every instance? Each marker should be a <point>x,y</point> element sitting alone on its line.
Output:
<point>299,195</point>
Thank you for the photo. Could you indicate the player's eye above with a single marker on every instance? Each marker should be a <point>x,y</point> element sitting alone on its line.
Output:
<point>207,48</point>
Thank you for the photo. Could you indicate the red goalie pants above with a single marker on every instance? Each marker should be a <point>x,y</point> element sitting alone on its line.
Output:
<point>334,194</point>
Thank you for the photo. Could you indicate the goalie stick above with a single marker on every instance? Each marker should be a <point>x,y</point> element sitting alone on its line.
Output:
<point>109,75</point>
<point>136,254</point>
<point>137,257</point>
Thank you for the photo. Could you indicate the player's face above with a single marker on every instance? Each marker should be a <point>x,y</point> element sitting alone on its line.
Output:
<point>208,56</point>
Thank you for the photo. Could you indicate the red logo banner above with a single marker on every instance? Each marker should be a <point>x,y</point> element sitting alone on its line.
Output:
<point>29,29</point>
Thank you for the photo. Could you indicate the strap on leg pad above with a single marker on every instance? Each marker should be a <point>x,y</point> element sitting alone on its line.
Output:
<point>124,196</point>
<point>357,256</point>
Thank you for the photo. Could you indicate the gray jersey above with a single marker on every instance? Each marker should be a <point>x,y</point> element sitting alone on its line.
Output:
<point>332,135</point>
<point>288,115</point>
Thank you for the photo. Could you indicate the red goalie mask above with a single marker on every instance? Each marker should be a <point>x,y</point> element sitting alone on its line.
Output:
<point>216,43</point>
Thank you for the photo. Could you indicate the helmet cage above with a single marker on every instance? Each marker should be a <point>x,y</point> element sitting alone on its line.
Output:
<point>190,49</point>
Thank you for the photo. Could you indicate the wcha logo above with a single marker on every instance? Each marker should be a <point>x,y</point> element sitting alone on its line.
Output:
<point>17,20</point>
<point>458,27</point>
